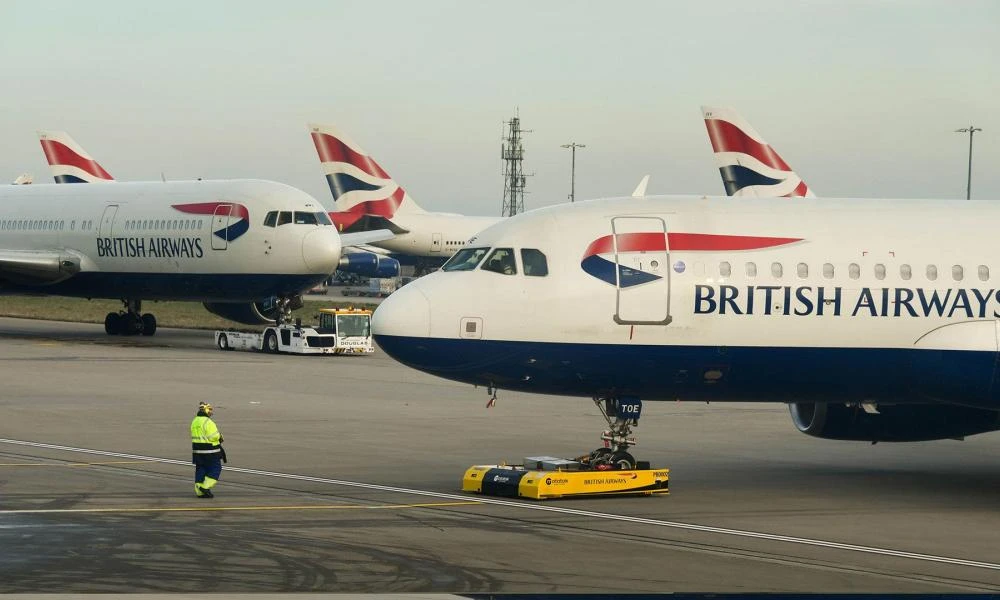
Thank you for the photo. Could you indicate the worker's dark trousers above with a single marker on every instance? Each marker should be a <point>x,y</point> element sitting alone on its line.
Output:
<point>207,470</point>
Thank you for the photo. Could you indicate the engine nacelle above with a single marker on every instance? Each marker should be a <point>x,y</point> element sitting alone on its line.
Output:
<point>252,313</point>
<point>369,264</point>
<point>892,423</point>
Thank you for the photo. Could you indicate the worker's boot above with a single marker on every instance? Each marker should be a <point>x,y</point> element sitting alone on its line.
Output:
<point>207,494</point>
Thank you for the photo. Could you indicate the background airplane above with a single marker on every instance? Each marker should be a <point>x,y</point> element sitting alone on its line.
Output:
<point>70,163</point>
<point>870,328</point>
<point>749,166</point>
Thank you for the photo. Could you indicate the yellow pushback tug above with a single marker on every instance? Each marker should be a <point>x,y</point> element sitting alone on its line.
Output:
<point>545,477</point>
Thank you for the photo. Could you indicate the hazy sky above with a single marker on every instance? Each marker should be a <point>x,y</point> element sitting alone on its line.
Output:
<point>861,97</point>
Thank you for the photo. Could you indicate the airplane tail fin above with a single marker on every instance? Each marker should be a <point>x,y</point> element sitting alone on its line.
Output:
<point>749,166</point>
<point>359,185</point>
<point>69,162</point>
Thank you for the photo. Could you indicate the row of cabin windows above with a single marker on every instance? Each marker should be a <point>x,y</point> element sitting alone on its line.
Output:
<point>501,260</point>
<point>854,271</point>
<point>451,243</point>
<point>163,224</point>
<point>285,217</point>
<point>42,225</point>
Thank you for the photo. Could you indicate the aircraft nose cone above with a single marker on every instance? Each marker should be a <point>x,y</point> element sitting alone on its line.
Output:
<point>321,250</point>
<point>403,316</point>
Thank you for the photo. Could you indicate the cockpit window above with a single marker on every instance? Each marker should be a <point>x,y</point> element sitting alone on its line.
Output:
<point>501,261</point>
<point>305,218</point>
<point>271,219</point>
<point>323,219</point>
<point>465,259</point>
<point>534,262</point>
<point>284,217</point>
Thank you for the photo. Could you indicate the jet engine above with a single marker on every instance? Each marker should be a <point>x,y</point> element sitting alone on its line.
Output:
<point>891,423</point>
<point>252,313</point>
<point>369,264</point>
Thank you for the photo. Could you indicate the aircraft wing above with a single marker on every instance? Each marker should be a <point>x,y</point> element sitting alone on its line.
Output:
<point>37,266</point>
<point>365,237</point>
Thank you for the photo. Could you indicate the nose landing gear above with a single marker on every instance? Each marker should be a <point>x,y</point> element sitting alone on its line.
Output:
<point>286,304</point>
<point>129,320</point>
<point>622,414</point>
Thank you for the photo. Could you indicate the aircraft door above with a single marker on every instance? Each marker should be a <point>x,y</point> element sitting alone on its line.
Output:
<point>642,274</point>
<point>108,220</point>
<point>436,242</point>
<point>220,227</point>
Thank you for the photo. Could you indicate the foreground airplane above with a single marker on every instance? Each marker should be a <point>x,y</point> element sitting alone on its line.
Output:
<point>70,163</point>
<point>871,327</point>
<point>749,166</point>
<point>366,198</point>
<point>247,249</point>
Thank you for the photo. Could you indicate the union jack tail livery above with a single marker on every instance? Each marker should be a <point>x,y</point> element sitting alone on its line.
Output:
<point>360,187</point>
<point>69,162</point>
<point>749,166</point>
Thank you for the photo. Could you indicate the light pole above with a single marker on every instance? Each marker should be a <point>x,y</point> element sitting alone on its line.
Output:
<point>572,178</point>
<point>968,184</point>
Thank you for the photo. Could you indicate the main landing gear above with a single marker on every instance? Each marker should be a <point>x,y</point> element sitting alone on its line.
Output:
<point>129,320</point>
<point>622,414</point>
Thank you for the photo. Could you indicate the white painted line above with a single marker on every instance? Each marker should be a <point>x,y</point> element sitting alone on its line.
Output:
<point>546,508</point>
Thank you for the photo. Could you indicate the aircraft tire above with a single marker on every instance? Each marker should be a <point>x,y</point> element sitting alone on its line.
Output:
<point>623,461</point>
<point>148,324</point>
<point>112,323</point>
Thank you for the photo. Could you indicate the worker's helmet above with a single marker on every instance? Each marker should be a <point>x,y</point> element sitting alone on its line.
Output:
<point>205,407</point>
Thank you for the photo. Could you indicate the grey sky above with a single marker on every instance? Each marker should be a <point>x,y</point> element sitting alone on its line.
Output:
<point>860,97</point>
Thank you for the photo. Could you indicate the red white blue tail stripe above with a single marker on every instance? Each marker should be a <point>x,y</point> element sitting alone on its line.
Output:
<point>69,162</point>
<point>599,258</point>
<point>360,186</point>
<point>235,216</point>
<point>749,166</point>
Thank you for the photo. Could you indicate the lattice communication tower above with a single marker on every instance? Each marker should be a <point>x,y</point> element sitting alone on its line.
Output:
<point>512,153</point>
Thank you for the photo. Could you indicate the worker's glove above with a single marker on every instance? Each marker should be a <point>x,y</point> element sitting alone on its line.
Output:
<point>223,452</point>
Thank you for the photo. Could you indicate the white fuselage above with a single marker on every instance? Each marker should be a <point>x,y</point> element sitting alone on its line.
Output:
<point>201,240</point>
<point>434,235</point>
<point>700,281</point>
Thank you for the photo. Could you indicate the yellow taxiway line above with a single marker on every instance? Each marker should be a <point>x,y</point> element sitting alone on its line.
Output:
<point>48,511</point>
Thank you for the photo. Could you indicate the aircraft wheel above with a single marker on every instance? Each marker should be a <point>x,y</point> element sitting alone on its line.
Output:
<point>623,461</point>
<point>148,324</point>
<point>112,323</point>
<point>271,342</point>
<point>224,342</point>
<point>129,324</point>
<point>601,456</point>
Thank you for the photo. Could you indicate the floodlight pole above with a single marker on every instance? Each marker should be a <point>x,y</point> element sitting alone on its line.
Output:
<point>968,182</point>
<point>572,178</point>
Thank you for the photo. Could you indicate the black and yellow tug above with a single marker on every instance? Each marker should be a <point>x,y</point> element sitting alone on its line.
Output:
<point>545,477</point>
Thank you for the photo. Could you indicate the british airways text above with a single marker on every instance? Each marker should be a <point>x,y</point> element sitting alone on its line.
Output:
<point>854,302</point>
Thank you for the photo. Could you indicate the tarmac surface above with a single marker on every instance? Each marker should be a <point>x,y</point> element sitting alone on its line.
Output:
<point>345,475</point>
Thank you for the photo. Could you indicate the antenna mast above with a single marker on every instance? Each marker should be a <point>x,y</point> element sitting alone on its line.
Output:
<point>512,153</point>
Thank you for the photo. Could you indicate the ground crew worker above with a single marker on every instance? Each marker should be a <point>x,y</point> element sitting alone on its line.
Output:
<point>206,451</point>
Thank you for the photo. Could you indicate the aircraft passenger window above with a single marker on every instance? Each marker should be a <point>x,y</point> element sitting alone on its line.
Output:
<point>957,272</point>
<point>751,269</point>
<point>905,272</point>
<point>323,219</point>
<point>880,271</point>
<point>199,224</point>
<point>271,219</point>
<point>932,272</point>
<point>501,261</point>
<point>828,270</point>
<point>725,269</point>
<point>802,270</point>
<point>535,264</point>
<point>284,218</point>
<point>984,273</point>
<point>466,259</point>
<point>305,218</point>
<point>853,271</point>
<point>776,270</point>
